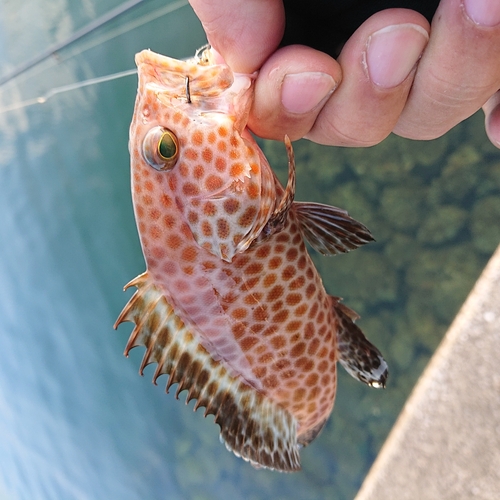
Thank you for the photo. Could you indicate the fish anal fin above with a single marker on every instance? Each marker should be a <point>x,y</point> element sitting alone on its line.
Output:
<point>352,315</point>
<point>360,358</point>
<point>252,425</point>
<point>330,230</point>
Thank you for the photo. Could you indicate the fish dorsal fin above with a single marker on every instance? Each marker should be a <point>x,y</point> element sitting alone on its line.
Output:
<point>360,358</point>
<point>330,230</point>
<point>252,426</point>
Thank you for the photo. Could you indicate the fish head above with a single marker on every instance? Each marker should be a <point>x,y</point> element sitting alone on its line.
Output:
<point>189,125</point>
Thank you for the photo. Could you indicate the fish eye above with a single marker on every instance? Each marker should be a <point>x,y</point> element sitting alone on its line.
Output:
<point>160,148</point>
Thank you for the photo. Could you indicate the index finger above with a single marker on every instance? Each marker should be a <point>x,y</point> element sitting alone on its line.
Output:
<point>244,32</point>
<point>459,70</point>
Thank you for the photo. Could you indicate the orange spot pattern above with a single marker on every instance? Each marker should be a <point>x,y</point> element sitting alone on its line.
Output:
<point>267,308</point>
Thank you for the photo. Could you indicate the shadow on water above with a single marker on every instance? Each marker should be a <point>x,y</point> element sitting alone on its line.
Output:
<point>76,421</point>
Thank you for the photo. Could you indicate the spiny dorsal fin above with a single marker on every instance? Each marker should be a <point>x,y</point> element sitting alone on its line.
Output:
<point>252,426</point>
<point>330,230</point>
<point>360,358</point>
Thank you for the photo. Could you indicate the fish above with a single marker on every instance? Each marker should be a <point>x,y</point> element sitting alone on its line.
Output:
<point>231,306</point>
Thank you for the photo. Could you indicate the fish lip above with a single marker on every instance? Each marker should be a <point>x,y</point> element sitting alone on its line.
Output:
<point>147,56</point>
<point>252,76</point>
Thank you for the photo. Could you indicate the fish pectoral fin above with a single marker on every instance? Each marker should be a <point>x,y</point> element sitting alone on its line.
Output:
<point>252,426</point>
<point>330,230</point>
<point>359,357</point>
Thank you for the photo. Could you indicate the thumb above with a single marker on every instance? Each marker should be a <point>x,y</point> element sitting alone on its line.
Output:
<point>244,32</point>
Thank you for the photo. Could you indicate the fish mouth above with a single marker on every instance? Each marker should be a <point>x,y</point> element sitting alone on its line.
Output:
<point>203,79</point>
<point>158,60</point>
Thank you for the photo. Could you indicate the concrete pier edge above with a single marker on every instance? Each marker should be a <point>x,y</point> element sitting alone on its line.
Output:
<point>446,442</point>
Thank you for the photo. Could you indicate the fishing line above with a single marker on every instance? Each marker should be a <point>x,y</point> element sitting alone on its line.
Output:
<point>66,88</point>
<point>97,23</point>
<point>52,51</point>
<point>131,25</point>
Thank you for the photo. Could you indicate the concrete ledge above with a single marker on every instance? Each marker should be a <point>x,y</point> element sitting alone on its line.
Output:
<point>446,442</point>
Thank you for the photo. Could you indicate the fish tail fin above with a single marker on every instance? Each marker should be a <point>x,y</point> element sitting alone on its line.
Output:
<point>252,426</point>
<point>311,434</point>
<point>359,357</point>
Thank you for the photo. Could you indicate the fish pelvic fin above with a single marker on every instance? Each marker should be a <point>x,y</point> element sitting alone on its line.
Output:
<point>278,218</point>
<point>330,230</point>
<point>359,357</point>
<point>252,426</point>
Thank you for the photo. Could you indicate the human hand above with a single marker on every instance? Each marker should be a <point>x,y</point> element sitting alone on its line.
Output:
<point>376,86</point>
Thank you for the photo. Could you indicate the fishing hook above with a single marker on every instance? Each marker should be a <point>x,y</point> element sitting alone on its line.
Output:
<point>188,93</point>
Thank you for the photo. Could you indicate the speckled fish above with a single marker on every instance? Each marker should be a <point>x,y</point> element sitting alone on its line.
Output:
<point>231,306</point>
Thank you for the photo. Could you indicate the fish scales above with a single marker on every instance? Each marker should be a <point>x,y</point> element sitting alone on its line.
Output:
<point>231,306</point>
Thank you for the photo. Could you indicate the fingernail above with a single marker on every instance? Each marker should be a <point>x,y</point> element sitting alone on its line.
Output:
<point>392,52</point>
<point>483,12</point>
<point>302,92</point>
